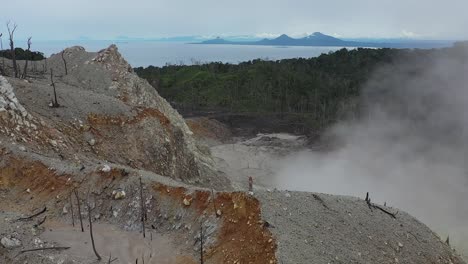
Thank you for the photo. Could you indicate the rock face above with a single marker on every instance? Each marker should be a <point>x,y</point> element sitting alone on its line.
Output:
<point>108,113</point>
<point>10,109</point>
<point>157,138</point>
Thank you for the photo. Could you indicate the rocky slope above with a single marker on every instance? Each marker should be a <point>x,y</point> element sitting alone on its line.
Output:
<point>108,113</point>
<point>115,153</point>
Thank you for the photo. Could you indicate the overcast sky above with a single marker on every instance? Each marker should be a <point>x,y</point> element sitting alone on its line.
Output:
<point>106,19</point>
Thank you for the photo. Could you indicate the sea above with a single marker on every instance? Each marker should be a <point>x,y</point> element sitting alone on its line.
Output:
<point>157,53</point>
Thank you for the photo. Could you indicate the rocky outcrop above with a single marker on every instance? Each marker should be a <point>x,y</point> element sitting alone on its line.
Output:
<point>107,113</point>
<point>15,121</point>
<point>10,108</point>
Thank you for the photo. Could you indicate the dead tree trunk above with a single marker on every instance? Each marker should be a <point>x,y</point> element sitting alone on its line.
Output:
<point>143,210</point>
<point>91,231</point>
<point>201,242</point>
<point>71,209</point>
<point>64,62</point>
<point>25,70</point>
<point>214,203</point>
<point>79,209</point>
<point>11,33</point>
<point>55,104</point>
<point>3,56</point>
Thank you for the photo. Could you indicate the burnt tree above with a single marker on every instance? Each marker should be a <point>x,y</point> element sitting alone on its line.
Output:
<point>91,231</point>
<point>201,243</point>
<point>3,57</point>
<point>143,209</point>
<point>71,209</point>
<point>79,209</point>
<point>25,70</point>
<point>64,61</point>
<point>54,103</point>
<point>11,32</point>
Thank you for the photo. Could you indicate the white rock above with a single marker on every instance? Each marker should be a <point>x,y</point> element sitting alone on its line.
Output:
<point>187,202</point>
<point>53,143</point>
<point>38,242</point>
<point>106,168</point>
<point>22,148</point>
<point>118,194</point>
<point>92,142</point>
<point>64,210</point>
<point>10,242</point>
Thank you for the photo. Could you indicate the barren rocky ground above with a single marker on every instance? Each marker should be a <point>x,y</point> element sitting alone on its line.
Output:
<point>112,130</point>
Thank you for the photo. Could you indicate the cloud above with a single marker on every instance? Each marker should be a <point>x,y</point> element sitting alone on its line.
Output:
<point>408,34</point>
<point>59,19</point>
<point>267,35</point>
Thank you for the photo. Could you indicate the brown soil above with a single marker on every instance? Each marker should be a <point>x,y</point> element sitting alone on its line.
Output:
<point>143,113</point>
<point>204,127</point>
<point>243,237</point>
<point>31,183</point>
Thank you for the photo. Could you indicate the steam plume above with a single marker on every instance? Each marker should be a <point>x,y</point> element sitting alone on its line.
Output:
<point>407,148</point>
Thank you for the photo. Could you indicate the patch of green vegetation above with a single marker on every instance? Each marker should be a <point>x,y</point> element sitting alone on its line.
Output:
<point>319,88</point>
<point>22,54</point>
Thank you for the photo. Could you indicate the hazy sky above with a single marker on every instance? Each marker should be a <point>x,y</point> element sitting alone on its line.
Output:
<point>104,19</point>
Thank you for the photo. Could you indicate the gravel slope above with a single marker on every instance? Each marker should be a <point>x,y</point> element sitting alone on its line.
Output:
<point>319,228</point>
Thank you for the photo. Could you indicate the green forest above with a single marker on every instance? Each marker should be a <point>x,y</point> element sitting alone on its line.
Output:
<point>318,89</point>
<point>22,54</point>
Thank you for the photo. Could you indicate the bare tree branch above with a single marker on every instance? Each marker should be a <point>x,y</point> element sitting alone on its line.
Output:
<point>45,248</point>
<point>32,216</point>
<point>11,32</point>
<point>40,222</point>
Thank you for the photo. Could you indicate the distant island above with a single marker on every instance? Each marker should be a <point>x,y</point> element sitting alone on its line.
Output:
<point>320,39</point>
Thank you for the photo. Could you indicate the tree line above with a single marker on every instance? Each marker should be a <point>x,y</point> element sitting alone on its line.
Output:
<point>319,90</point>
<point>22,54</point>
<point>315,88</point>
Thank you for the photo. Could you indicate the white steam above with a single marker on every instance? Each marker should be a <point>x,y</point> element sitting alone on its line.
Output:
<point>408,148</point>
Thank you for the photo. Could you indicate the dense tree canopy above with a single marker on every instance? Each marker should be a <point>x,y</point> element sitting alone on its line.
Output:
<point>315,87</point>
<point>22,54</point>
<point>318,89</point>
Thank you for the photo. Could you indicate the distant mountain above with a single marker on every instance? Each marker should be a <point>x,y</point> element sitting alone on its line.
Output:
<point>320,39</point>
<point>217,40</point>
